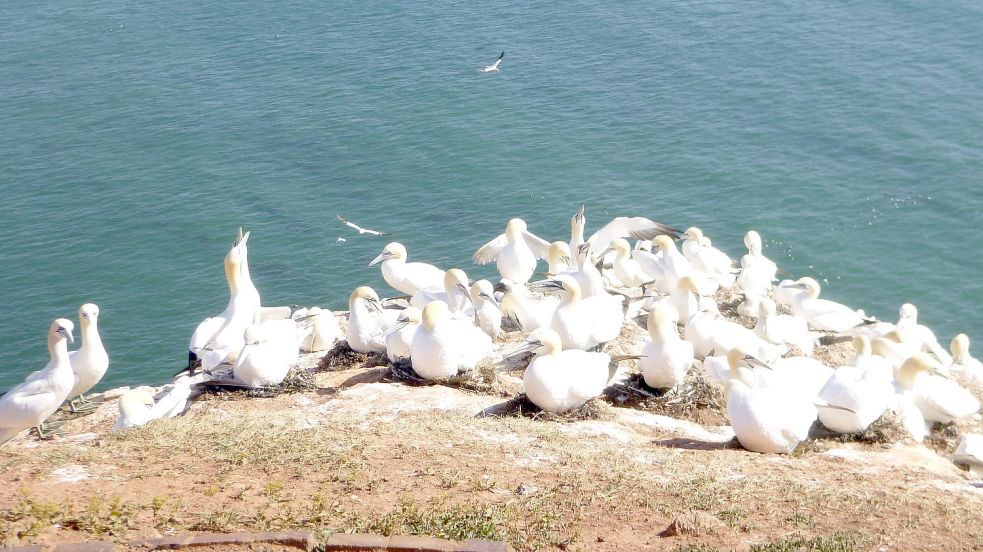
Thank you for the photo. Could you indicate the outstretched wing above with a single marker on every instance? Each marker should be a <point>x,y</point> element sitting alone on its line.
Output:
<point>639,228</point>
<point>538,245</point>
<point>489,252</point>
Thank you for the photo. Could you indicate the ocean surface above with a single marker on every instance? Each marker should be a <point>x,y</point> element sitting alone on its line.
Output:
<point>137,136</point>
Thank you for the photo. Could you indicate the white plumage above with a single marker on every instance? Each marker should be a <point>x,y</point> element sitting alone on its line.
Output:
<point>444,346</point>
<point>408,278</point>
<point>561,380</point>
<point>515,252</point>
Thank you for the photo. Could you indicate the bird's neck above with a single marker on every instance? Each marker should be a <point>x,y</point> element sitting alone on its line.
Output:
<point>90,337</point>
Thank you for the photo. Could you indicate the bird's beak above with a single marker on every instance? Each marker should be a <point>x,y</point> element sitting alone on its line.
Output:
<point>491,300</point>
<point>547,285</point>
<point>465,291</point>
<point>401,323</point>
<point>606,251</point>
<point>566,259</point>
<point>382,257</point>
<point>67,334</point>
<point>375,305</point>
<point>580,214</point>
<point>752,361</point>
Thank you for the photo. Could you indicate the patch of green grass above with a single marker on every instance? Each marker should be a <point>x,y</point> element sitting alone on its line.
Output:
<point>698,547</point>
<point>838,542</point>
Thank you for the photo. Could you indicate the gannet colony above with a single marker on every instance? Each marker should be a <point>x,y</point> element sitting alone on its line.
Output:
<point>442,325</point>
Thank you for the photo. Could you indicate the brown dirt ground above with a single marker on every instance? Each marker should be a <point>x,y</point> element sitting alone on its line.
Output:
<point>360,450</point>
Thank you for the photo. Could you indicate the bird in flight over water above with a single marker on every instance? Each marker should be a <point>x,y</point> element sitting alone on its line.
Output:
<point>494,66</point>
<point>359,229</point>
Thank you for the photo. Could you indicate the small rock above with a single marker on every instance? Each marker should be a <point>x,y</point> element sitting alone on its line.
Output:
<point>524,489</point>
<point>693,523</point>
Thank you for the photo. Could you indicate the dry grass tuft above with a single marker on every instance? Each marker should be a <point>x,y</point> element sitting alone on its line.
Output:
<point>696,400</point>
<point>297,381</point>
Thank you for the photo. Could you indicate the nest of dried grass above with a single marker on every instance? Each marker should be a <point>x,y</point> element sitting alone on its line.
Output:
<point>885,430</point>
<point>297,381</point>
<point>943,438</point>
<point>343,357</point>
<point>696,400</point>
<point>520,406</point>
<point>483,379</point>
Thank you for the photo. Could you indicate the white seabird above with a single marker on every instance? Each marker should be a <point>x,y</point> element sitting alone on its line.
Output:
<point>400,336</point>
<point>861,388</point>
<point>219,339</point>
<point>625,266</point>
<point>665,357</point>
<point>444,346</point>
<point>757,271</point>
<point>765,418</point>
<point>515,252</point>
<point>319,329</point>
<point>359,229</point>
<point>558,257</point>
<point>455,292</point>
<point>782,329</point>
<point>666,266</point>
<point>561,380</point>
<point>27,405</point>
<point>638,228</point>
<point>268,352</point>
<point>408,278</point>
<point>494,66</point>
<point>91,360</point>
<point>368,322</point>
<point>963,363</point>
<point>487,312</point>
<point>823,314</point>
<point>138,407</point>
<point>583,322</point>
<point>970,453</point>
<point>939,399</point>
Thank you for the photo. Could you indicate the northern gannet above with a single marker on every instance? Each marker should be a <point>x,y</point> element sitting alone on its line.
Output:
<point>455,292</point>
<point>220,338</point>
<point>708,331</point>
<point>782,329</point>
<point>667,266</point>
<point>561,380</point>
<point>665,357</point>
<point>526,311</point>
<point>823,314</point>
<point>138,407</point>
<point>400,336</point>
<point>939,399</point>
<point>27,405</point>
<point>864,388</point>
<point>963,364</point>
<point>487,312</point>
<point>368,322</point>
<point>638,228</point>
<point>922,334</point>
<point>444,346</point>
<point>408,278</point>
<point>359,229</point>
<point>269,351</point>
<point>559,257</point>
<point>707,260</point>
<point>583,322</point>
<point>625,266</point>
<point>319,329</point>
<point>90,361</point>
<point>515,252</point>
<point>757,271</point>
<point>765,418</point>
<point>494,66</point>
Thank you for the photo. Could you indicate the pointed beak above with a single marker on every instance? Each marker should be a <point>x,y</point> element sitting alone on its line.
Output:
<point>401,323</point>
<point>491,300</point>
<point>606,251</point>
<point>752,361</point>
<point>382,257</point>
<point>465,291</point>
<point>547,285</point>
<point>67,334</point>
<point>375,305</point>
<point>580,214</point>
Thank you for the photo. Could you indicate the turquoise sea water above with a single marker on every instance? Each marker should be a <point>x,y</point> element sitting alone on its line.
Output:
<point>135,137</point>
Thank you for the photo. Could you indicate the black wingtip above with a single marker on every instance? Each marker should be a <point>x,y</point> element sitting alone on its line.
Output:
<point>500,56</point>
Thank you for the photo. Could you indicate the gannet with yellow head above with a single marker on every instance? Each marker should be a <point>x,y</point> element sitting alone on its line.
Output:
<point>408,278</point>
<point>28,405</point>
<point>515,252</point>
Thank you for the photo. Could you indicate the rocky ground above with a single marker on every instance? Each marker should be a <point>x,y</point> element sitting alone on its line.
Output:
<point>354,446</point>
